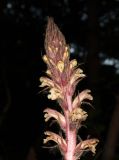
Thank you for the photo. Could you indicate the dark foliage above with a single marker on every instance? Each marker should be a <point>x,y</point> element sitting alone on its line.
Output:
<point>91,29</point>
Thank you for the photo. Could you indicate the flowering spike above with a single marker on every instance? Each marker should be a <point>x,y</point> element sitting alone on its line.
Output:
<point>62,76</point>
<point>55,44</point>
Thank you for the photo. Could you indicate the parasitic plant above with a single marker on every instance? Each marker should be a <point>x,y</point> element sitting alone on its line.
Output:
<point>62,77</point>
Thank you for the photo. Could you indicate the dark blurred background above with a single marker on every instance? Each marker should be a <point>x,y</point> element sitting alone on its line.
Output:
<point>91,28</point>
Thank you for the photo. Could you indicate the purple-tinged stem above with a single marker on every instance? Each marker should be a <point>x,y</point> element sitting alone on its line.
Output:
<point>70,134</point>
<point>71,141</point>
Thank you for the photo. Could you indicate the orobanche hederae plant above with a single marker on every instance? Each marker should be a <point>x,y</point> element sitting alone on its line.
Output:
<point>62,77</point>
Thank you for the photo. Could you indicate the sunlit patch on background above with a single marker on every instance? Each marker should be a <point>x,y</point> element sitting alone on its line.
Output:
<point>78,51</point>
<point>9,5</point>
<point>109,61</point>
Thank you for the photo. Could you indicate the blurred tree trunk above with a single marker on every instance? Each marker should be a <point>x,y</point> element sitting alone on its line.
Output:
<point>112,137</point>
<point>31,154</point>
<point>6,95</point>
<point>93,49</point>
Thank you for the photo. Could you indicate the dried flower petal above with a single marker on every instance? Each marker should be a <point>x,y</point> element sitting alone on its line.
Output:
<point>56,138</point>
<point>51,113</point>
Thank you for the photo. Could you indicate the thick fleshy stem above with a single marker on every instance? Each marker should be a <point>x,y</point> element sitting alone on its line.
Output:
<point>70,134</point>
<point>70,140</point>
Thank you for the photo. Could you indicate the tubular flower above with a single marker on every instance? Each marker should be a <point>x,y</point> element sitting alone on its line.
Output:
<point>56,138</point>
<point>62,77</point>
<point>86,145</point>
<point>81,97</point>
<point>46,82</point>
<point>76,76</point>
<point>51,113</point>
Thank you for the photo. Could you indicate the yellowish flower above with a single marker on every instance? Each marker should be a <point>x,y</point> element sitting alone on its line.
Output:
<point>54,94</point>
<point>76,116</point>
<point>73,63</point>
